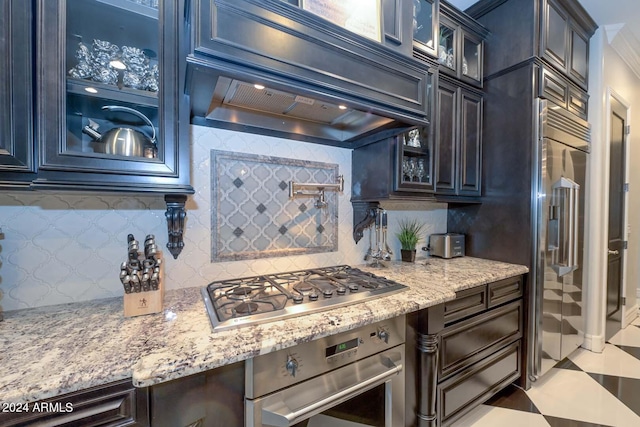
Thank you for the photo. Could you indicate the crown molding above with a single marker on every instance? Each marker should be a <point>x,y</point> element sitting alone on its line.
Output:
<point>626,45</point>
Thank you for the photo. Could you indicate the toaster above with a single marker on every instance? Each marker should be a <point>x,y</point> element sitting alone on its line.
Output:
<point>448,245</point>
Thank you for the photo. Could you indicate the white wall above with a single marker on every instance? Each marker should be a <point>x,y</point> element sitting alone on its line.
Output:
<point>65,247</point>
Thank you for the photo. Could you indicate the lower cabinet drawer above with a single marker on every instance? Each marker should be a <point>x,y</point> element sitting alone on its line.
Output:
<point>467,303</point>
<point>474,339</point>
<point>117,404</point>
<point>463,392</point>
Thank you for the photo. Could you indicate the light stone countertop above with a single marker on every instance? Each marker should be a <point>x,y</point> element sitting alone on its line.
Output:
<point>54,350</point>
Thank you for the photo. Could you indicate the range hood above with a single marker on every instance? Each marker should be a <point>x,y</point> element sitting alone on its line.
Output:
<point>266,67</point>
<point>237,104</point>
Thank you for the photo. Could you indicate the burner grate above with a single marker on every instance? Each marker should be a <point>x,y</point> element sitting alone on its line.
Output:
<point>252,300</point>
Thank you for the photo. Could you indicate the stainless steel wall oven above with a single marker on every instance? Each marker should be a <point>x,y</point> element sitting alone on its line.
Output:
<point>355,378</point>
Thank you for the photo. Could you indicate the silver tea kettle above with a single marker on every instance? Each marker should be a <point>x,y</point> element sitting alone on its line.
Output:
<point>123,141</point>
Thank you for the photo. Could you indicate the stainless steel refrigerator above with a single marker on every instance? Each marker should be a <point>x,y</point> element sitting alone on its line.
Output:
<point>563,147</point>
<point>534,157</point>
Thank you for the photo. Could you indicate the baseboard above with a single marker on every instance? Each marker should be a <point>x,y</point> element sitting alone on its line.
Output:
<point>631,315</point>
<point>594,343</point>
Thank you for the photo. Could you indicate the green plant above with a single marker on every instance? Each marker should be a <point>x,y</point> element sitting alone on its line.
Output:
<point>409,234</point>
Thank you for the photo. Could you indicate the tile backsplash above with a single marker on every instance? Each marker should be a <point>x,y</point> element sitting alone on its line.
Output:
<point>252,215</point>
<point>67,247</point>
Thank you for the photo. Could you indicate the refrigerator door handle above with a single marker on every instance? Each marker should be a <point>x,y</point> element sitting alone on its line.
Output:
<point>563,226</point>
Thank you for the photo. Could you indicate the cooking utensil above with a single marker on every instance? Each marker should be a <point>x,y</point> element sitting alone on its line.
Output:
<point>367,256</point>
<point>386,255</point>
<point>123,141</point>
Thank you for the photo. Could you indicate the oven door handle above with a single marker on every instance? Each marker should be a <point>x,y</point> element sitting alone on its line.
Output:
<point>278,413</point>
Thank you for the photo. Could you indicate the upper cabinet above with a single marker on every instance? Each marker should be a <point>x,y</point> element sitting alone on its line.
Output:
<point>400,167</point>
<point>395,168</point>
<point>557,31</point>
<point>565,43</point>
<point>17,162</point>
<point>425,14</point>
<point>460,45</point>
<point>458,143</point>
<point>109,98</point>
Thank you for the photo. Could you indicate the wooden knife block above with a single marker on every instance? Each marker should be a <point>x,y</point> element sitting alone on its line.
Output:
<point>149,302</point>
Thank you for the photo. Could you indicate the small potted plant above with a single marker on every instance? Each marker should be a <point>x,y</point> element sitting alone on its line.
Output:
<point>409,235</point>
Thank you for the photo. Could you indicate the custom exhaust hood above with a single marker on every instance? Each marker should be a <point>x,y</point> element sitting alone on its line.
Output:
<point>237,103</point>
<point>269,68</point>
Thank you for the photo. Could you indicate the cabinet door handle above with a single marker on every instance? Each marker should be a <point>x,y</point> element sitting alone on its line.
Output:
<point>616,252</point>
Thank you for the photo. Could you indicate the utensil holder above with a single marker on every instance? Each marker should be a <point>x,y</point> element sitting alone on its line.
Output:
<point>146,302</point>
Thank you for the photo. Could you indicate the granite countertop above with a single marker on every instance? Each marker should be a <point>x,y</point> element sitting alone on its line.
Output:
<point>59,349</point>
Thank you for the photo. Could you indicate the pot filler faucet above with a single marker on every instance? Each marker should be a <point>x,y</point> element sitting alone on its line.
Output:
<point>297,189</point>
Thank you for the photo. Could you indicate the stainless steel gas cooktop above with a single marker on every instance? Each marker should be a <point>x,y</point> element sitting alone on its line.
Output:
<point>253,300</point>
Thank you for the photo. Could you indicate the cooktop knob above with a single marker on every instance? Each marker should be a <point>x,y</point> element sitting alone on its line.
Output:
<point>327,293</point>
<point>313,296</point>
<point>297,299</point>
<point>291,366</point>
<point>341,291</point>
<point>353,287</point>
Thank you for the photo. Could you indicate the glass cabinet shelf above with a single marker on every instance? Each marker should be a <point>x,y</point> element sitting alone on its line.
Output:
<point>98,90</point>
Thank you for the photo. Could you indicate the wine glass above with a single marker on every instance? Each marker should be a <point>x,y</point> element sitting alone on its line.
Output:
<point>421,172</point>
<point>405,168</point>
<point>412,168</point>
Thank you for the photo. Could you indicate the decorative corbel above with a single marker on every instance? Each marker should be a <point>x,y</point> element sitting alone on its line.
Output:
<point>365,213</point>
<point>175,215</point>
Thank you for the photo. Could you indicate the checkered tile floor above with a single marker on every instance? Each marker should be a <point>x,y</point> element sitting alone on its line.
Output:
<point>585,390</point>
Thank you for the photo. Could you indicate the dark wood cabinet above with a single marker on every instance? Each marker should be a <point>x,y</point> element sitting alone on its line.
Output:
<point>461,393</point>
<point>17,155</point>
<point>565,44</point>
<point>464,351</point>
<point>395,168</point>
<point>400,166</point>
<point>461,45</point>
<point>117,404</point>
<point>559,89</point>
<point>77,75</point>
<point>558,31</point>
<point>458,149</point>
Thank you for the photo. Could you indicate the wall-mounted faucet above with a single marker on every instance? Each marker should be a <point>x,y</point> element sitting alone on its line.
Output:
<point>297,189</point>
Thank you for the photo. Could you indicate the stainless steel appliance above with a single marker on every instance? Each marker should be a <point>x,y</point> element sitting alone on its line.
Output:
<point>351,379</point>
<point>239,302</point>
<point>563,145</point>
<point>447,245</point>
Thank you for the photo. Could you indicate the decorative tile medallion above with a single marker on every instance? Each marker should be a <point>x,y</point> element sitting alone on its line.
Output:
<point>252,215</point>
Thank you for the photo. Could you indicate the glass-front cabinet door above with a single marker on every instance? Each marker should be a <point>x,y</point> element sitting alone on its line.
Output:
<point>108,92</point>
<point>460,47</point>
<point>425,25</point>
<point>447,46</point>
<point>471,58</point>
<point>414,167</point>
